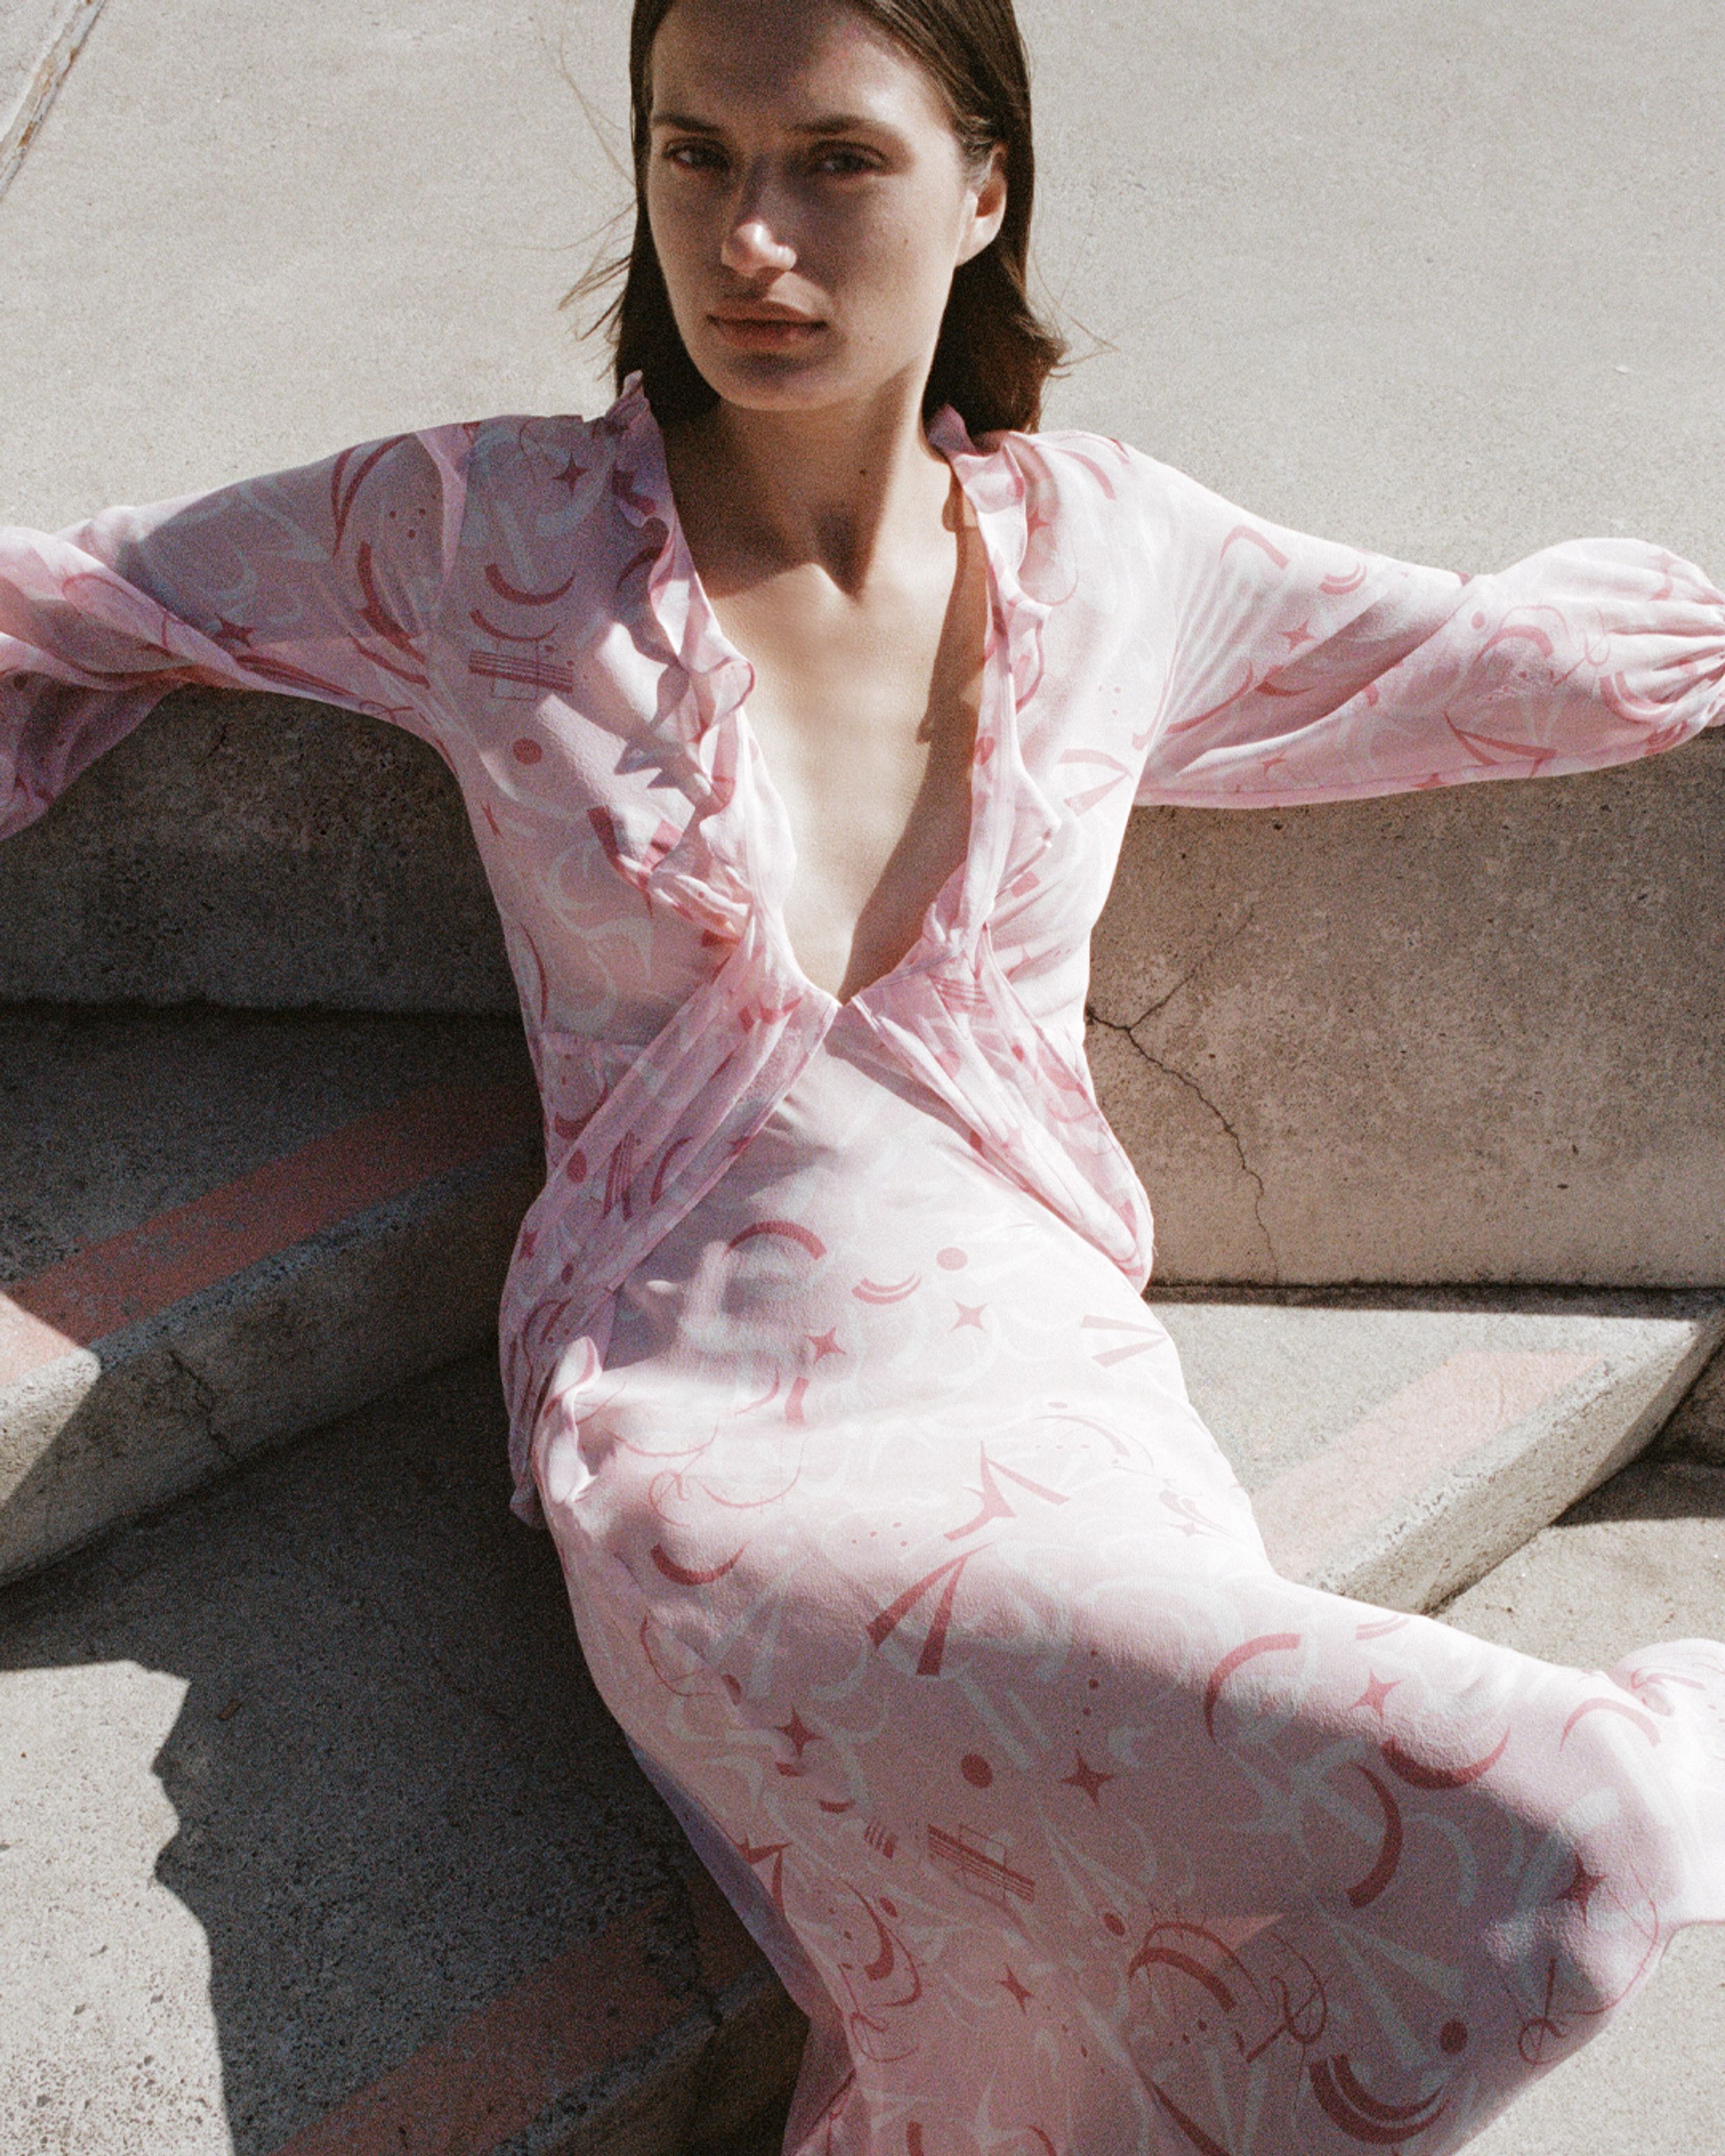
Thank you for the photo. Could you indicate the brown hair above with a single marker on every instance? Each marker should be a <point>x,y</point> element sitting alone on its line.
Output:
<point>995,353</point>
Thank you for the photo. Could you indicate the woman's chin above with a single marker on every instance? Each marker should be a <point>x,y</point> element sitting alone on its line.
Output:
<point>774,381</point>
<point>787,381</point>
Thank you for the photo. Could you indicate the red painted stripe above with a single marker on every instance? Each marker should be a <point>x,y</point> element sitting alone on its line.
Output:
<point>492,2074</point>
<point>1356,1483</point>
<point>133,1276</point>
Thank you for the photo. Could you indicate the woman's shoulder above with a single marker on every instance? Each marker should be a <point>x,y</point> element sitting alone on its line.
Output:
<point>551,487</point>
<point>534,450</point>
<point>1098,489</point>
<point>1099,464</point>
<point>1168,507</point>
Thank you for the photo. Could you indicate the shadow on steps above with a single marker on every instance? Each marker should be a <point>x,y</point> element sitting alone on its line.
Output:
<point>398,1794</point>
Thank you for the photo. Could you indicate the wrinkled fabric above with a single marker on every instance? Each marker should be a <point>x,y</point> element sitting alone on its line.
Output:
<point>894,1542</point>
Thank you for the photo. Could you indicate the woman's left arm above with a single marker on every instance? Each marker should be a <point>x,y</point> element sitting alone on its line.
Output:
<point>1300,671</point>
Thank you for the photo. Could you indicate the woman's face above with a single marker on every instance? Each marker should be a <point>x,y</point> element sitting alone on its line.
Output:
<point>809,200</point>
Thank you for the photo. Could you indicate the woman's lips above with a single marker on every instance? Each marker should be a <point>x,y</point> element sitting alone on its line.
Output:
<point>766,332</point>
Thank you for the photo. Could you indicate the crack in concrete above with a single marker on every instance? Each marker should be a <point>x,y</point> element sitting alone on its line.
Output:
<point>1260,1191</point>
<point>1214,950</point>
<point>203,1404</point>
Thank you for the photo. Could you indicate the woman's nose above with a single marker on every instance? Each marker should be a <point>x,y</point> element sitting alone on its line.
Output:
<point>752,245</point>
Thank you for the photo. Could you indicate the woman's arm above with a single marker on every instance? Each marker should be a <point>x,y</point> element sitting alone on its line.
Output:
<point>1301,671</point>
<point>323,582</point>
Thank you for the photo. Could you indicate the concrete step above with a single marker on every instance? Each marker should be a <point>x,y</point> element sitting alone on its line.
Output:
<point>1397,1446</point>
<point>319,1842</point>
<point>217,1231</point>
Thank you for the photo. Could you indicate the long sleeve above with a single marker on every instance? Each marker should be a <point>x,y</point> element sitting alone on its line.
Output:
<point>1300,671</point>
<point>321,582</point>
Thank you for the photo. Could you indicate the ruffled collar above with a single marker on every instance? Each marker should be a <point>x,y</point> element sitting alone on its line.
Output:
<point>1011,820</point>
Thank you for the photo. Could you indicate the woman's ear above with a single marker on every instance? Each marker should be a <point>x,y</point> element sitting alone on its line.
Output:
<point>987,206</point>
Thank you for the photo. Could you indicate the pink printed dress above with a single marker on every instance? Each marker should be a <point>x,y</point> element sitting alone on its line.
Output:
<point>893,1542</point>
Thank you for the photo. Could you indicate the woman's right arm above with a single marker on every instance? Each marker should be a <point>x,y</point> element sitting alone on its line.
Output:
<point>322,582</point>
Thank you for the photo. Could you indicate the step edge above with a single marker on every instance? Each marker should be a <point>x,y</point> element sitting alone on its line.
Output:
<point>1367,1571</point>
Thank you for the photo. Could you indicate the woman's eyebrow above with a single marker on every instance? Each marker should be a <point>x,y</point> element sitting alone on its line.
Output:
<point>837,123</point>
<point>843,123</point>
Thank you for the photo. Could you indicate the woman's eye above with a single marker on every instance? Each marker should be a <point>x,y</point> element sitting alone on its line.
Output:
<point>694,156</point>
<point>842,161</point>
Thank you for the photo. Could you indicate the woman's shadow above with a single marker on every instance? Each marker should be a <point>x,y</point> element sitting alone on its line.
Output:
<point>398,1793</point>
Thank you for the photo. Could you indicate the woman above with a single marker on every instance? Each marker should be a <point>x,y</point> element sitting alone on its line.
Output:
<point>945,1629</point>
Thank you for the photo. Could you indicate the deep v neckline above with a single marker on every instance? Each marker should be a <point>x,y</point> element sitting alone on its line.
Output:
<point>956,912</point>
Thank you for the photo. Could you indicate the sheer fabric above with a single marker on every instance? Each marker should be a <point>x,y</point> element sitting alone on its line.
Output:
<point>893,1540</point>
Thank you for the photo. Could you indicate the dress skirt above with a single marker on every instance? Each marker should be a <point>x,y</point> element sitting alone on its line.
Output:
<point>928,1602</point>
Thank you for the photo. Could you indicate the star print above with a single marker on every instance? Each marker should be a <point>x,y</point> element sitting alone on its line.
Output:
<point>1020,1991</point>
<point>1582,1886</point>
<point>824,1343</point>
<point>968,1315</point>
<point>799,1732</point>
<point>1375,1693</point>
<point>1084,1776</point>
<point>571,474</point>
<point>228,633</point>
<point>1294,638</point>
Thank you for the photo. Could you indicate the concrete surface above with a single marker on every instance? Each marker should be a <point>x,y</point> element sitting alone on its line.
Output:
<point>219,1232</point>
<point>1471,1035</point>
<point>245,236</point>
<point>112,1116</point>
<point>1397,1449</point>
<point>299,1777</point>
<point>39,39</point>
<point>1697,1429</point>
<point>1444,282</point>
<point>304,1779</point>
<point>257,852</point>
<point>1641,1560</point>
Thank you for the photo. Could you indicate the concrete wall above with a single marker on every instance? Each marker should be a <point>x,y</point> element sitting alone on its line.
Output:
<point>260,852</point>
<point>1466,1036</point>
<point>1444,281</point>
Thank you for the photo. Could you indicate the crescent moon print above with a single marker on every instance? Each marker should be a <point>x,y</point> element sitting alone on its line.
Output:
<point>882,1293</point>
<point>790,1231</point>
<point>1360,2116</point>
<point>1389,1854</point>
<point>683,1575</point>
<point>1642,1721</point>
<point>898,1550</point>
<point>1250,536</point>
<point>1422,1777</point>
<point>1271,1642</point>
<point>505,590</point>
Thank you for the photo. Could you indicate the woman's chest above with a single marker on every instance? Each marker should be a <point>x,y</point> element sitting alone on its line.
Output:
<point>861,721</point>
<point>640,793</point>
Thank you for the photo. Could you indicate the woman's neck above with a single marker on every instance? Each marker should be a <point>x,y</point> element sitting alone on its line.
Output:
<point>839,489</point>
